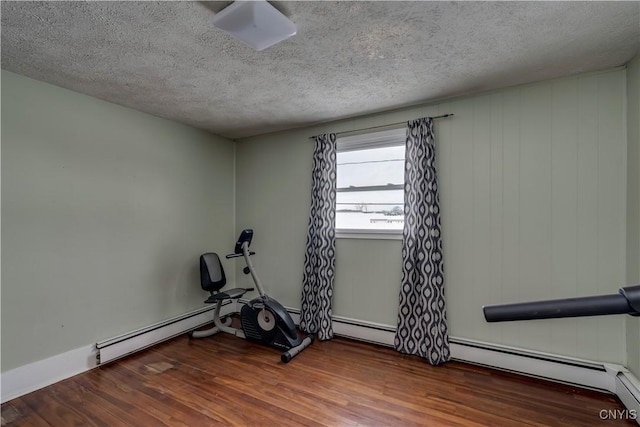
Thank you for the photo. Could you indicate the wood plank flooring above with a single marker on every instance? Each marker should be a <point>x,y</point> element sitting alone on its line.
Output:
<point>223,380</point>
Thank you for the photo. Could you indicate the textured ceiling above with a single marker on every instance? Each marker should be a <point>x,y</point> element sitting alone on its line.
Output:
<point>347,59</point>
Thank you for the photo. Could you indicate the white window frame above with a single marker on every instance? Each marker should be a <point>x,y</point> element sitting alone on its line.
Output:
<point>380,139</point>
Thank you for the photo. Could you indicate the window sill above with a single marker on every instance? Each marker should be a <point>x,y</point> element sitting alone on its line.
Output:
<point>369,234</point>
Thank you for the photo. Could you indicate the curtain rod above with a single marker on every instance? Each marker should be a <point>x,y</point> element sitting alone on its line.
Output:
<point>385,126</point>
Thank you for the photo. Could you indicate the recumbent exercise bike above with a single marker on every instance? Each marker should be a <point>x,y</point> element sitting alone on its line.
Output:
<point>263,319</point>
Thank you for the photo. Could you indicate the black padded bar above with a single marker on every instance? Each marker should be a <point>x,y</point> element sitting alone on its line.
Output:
<point>632,294</point>
<point>570,307</point>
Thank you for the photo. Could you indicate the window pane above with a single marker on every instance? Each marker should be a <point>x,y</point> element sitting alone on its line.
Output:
<point>370,210</point>
<point>370,201</point>
<point>368,221</point>
<point>377,166</point>
<point>363,202</point>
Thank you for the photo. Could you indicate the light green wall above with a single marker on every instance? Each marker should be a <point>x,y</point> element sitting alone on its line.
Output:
<point>105,211</point>
<point>532,183</point>
<point>633,206</point>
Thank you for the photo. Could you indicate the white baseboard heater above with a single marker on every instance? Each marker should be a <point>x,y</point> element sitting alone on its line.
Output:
<point>602,376</point>
<point>569,370</point>
<point>628,391</point>
<point>584,373</point>
<point>605,377</point>
<point>140,339</point>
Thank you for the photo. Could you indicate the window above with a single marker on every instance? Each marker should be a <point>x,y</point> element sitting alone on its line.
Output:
<point>370,185</point>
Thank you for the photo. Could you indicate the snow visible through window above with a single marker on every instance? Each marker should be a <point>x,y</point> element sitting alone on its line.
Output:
<point>370,193</point>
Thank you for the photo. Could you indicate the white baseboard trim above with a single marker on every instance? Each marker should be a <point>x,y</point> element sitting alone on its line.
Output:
<point>375,333</point>
<point>628,391</point>
<point>140,339</point>
<point>34,376</point>
<point>588,374</point>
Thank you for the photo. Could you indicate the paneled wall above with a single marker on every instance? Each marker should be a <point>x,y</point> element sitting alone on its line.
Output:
<point>533,192</point>
<point>533,196</point>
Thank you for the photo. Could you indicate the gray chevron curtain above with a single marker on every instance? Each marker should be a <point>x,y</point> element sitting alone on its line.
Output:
<point>422,320</point>
<point>319,259</point>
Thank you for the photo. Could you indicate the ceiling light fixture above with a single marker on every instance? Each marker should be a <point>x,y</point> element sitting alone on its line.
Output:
<point>256,23</point>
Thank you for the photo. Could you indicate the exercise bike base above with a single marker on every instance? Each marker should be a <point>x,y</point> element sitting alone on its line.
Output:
<point>294,351</point>
<point>211,331</point>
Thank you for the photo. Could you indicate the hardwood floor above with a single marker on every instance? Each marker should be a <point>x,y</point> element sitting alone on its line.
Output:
<point>223,380</point>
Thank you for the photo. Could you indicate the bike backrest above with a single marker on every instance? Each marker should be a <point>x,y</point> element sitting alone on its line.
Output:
<point>212,277</point>
<point>245,236</point>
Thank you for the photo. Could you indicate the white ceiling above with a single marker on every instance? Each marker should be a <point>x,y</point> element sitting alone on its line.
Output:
<point>347,59</point>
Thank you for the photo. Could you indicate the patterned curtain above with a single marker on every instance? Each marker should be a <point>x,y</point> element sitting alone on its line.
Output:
<point>422,320</point>
<point>319,259</point>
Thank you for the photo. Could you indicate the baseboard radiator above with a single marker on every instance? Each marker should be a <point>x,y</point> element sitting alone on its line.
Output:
<point>604,377</point>
<point>548,366</point>
<point>123,345</point>
<point>628,391</point>
<point>601,376</point>
<point>568,370</point>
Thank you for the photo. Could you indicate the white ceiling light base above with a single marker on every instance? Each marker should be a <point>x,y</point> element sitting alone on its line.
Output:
<point>256,23</point>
